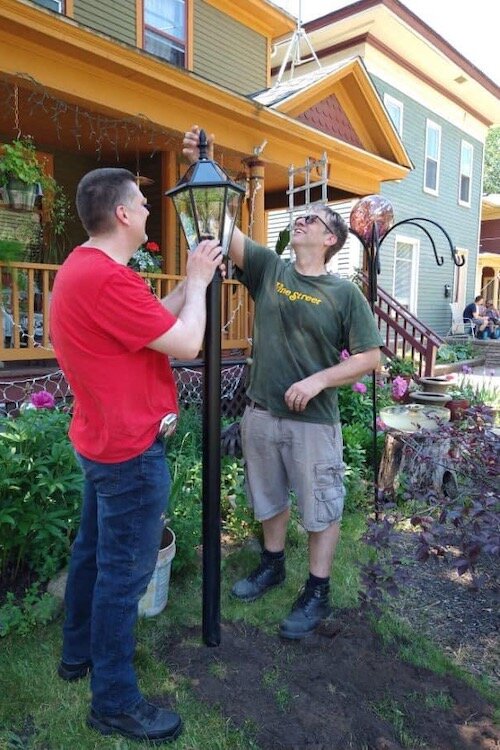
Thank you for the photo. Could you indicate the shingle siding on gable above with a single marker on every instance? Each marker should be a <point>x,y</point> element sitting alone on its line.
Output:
<point>115,18</point>
<point>226,52</point>
<point>409,200</point>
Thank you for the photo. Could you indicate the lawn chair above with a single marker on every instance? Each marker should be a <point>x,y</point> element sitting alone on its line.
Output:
<point>458,324</point>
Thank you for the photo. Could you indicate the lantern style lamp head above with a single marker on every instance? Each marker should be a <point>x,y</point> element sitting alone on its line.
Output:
<point>207,201</point>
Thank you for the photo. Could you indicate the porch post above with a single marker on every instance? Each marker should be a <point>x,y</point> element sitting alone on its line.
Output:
<point>257,224</point>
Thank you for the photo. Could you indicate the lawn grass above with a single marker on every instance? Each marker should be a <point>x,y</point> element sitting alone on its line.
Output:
<point>40,712</point>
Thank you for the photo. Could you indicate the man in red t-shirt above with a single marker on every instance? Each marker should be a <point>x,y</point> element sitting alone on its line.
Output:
<point>112,338</point>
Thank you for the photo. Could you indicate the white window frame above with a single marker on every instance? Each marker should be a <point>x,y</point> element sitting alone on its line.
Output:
<point>400,238</point>
<point>465,146</point>
<point>389,102</point>
<point>430,125</point>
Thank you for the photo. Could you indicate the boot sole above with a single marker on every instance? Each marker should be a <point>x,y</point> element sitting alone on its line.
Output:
<point>257,596</point>
<point>107,730</point>
<point>297,636</point>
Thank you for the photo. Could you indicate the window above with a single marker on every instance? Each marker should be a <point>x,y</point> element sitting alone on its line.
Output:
<point>404,286</point>
<point>464,187</point>
<point>165,29</point>
<point>51,4</point>
<point>395,111</point>
<point>432,156</point>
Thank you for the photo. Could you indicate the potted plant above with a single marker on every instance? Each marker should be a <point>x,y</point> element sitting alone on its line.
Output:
<point>21,173</point>
<point>403,367</point>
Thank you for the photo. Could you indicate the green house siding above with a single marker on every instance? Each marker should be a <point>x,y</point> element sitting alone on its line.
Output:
<point>226,52</point>
<point>409,200</point>
<point>115,18</point>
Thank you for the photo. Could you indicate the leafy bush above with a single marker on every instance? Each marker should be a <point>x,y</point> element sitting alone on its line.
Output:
<point>40,491</point>
<point>449,353</point>
<point>35,609</point>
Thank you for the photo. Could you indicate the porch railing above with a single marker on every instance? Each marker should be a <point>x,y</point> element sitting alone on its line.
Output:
<point>403,334</point>
<point>24,310</point>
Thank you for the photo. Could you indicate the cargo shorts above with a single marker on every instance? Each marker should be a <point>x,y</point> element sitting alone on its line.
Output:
<point>283,455</point>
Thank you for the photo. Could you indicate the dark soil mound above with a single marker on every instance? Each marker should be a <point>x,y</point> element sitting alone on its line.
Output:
<point>338,690</point>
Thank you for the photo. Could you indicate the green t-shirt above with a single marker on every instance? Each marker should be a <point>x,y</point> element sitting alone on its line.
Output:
<point>301,325</point>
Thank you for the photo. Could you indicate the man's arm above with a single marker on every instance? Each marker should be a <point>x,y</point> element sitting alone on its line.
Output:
<point>184,339</point>
<point>300,393</point>
<point>174,301</point>
<point>191,152</point>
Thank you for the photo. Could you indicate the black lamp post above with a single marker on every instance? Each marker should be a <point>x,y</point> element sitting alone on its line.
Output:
<point>208,203</point>
<point>371,221</point>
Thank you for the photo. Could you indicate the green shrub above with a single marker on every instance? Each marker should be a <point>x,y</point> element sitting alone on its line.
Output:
<point>35,609</point>
<point>40,491</point>
<point>449,353</point>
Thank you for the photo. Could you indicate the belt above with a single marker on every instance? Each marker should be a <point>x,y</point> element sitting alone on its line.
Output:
<point>255,405</point>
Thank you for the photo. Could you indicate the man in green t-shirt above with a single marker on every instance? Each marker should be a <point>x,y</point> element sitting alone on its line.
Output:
<point>291,435</point>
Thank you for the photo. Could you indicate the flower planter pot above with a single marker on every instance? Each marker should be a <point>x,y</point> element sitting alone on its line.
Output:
<point>21,195</point>
<point>430,398</point>
<point>435,384</point>
<point>457,407</point>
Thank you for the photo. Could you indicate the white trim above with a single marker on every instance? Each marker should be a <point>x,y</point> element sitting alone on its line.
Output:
<point>431,125</point>
<point>390,101</point>
<point>464,146</point>
<point>415,259</point>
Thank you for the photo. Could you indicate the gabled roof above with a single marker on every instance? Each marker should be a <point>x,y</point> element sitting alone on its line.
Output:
<point>388,28</point>
<point>335,101</point>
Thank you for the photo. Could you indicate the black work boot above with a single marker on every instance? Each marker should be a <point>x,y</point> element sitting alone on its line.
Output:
<point>311,608</point>
<point>144,722</point>
<point>73,672</point>
<point>269,573</point>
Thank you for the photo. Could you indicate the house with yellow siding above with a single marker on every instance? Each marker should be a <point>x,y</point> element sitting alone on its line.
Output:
<point>117,82</point>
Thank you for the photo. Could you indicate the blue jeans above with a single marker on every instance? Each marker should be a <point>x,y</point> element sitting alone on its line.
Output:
<point>113,559</point>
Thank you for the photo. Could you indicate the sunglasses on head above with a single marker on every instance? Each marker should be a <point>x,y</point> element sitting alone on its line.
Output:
<point>311,219</point>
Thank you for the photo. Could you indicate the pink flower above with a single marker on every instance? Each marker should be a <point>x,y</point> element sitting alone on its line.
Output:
<point>344,354</point>
<point>381,426</point>
<point>43,400</point>
<point>359,388</point>
<point>399,387</point>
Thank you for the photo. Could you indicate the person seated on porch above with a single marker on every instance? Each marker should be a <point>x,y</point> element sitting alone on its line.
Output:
<point>493,316</point>
<point>472,315</point>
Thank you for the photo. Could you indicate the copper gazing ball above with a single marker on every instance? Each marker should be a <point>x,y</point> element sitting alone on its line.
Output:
<point>373,209</point>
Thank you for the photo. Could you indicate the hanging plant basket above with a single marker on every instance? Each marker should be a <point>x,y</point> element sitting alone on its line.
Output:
<point>21,195</point>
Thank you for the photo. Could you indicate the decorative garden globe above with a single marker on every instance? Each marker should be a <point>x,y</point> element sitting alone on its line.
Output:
<point>373,209</point>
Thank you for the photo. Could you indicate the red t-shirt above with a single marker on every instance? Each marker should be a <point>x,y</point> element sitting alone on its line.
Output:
<point>102,316</point>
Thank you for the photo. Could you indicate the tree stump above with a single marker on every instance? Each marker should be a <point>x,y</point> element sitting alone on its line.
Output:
<point>421,456</point>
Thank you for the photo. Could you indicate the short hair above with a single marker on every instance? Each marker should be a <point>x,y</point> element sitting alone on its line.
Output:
<point>339,228</point>
<point>98,194</point>
<point>479,296</point>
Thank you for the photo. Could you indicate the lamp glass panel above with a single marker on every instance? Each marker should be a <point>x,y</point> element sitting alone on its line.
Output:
<point>209,207</point>
<point>184,208</point>
<point>232,210</point>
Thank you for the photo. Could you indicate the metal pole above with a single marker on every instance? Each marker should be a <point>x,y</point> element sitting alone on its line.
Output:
<point>373,269</point>
<point>212,466</point>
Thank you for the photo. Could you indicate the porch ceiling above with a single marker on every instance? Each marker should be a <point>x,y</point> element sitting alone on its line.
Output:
<point>97,75</point>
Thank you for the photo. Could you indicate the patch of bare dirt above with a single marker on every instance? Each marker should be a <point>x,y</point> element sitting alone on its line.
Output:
<point>341,689</point>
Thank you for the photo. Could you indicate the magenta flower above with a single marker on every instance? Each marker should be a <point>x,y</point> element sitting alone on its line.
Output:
<point>43,400</point>
<point>399,387</point>
<point>381,426</point>
<point>359,388</point>
<point>344,354</point>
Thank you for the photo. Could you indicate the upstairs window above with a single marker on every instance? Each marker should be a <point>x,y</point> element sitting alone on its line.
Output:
<point>432,157</point>
<point>464,187</point>
<point>56,5</point>
<point>165,29</point>
<point>395,111</point>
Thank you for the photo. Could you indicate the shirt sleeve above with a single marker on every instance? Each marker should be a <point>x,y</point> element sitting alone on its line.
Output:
<point>361,329</point>
<point>128,311</point>
<point>256,260</point>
